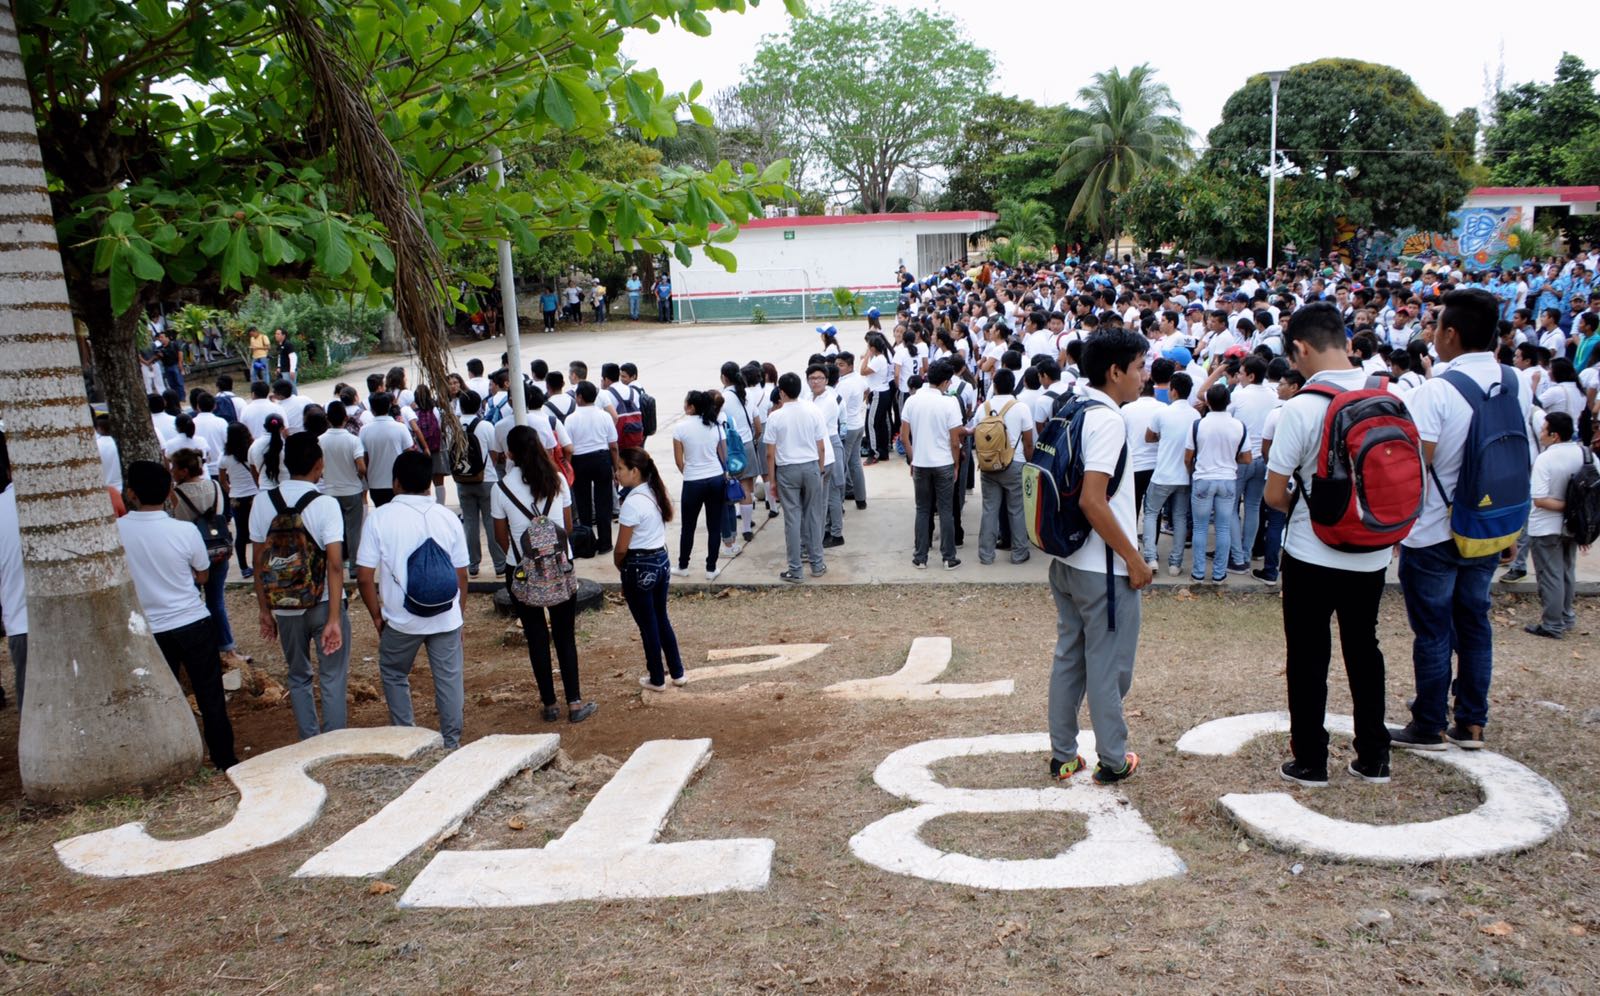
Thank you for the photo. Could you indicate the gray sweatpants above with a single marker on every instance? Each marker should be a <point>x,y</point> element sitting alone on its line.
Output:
<point>855,475</point>
<point>833,481</point>
<point>800,491</point>
<point>296,635</point>
<point>1555,567</point>
<point>475,512</point>
<point>18,646</point>
<point>354,510</point>
<point>1006,482</point>
<point>1091,659</point>
<point>397,652</point>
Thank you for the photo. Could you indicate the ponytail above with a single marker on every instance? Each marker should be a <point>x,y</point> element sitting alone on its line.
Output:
<point>636,459</point>
<point>532,460</point>
<point>703,406</point>
<point>273,460</point>
<point>184,425</point>
<point>735,378</point>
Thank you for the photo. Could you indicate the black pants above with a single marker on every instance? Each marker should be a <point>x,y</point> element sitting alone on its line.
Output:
<point>885,421</point>
<point>194,647</point>
<point>592,490</point>
<point>549,321</point>
<point>1141,484</point>
<point>562,629</point>
<point>241,527</point>
<point>707,494</point>
<point>381,496</point>
<point>1311,596</point>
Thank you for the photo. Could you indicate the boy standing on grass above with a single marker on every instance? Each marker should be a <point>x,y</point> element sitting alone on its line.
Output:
<point>1097,615</point>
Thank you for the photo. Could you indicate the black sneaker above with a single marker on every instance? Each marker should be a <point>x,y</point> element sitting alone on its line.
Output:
<point>860,503</point>
<point>772,513</point>
<point>832,541</point>
<point>1260,574</point>
<point>582,712</point>
<point>1377,774</point>
<point>552,713</point>
<point>1238,568</point>
<point>1104,774</point>
<point>749,535</point>
<point>1303,774</point>
<point>952,564</point>
<point>1411,738</point>
<point>1465,737</point>
<point>1063,770</point>
<point>1537,629</point>
<point>792,577</point>
<point>1513,575</point>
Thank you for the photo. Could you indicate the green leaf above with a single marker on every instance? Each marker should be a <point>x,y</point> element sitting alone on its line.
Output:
<point>216,238</point>
<point>681,251</point>
<point>123,285</point>
<point>776,172</point>
<point>558,107</point>
<point>695,23</point>
<point>240,260</point>
<point>333,254</point>
<point>629,223</point>
<point>638,100</point>
<point>574,162</point>
<point>694,208</point>
<point>702,117</point>
<point>143,264</point>
<point>275,249</point>
<point>721,257</point>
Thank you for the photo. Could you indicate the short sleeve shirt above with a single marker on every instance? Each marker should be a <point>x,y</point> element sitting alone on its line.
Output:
<point>639,511</point>
<point>1105,437</point>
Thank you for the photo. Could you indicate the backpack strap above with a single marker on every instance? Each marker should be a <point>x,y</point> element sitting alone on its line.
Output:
<point>511,497</point>
<point>277,501</point>
<point>1475,397</point>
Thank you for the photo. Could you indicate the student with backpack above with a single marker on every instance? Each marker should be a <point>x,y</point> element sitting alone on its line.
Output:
<point>1335,557</point>
<point>701,453</point>
<point>532,510</point>
<point>344,477</point>
<point>1473,423</point>
<point>1554,544</point>
<point>200,500</point>
<point>738,410</point>
<point>1082,514</point>
<point>594,463</point>
<point>298,534</point>
<point>475,476</point>
<point>1002,443</point>
<point>622,400</point>
<point>1218,445</point>
<point>169,565</point>
<point>931,427</point>
<point>428,429</point>
<point>641,558</point>
<point>412,571</point>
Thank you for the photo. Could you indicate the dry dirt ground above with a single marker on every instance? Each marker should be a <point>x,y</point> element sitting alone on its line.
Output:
<point>791,766</point>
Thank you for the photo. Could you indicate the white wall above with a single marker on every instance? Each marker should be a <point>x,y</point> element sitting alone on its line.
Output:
<point>861,256</point>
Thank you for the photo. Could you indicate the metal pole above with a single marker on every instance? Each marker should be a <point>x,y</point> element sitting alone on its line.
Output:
<point>508,304</point>
<point>1272,170</point>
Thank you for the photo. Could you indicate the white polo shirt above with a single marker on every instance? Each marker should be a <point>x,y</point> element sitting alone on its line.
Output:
<point>1443,417</point>
<point>340,451</point>
<point>1172,426</point>
<point>1297,449</point>
<point>294,412</point>
<point>1105,436</point>
<point>793,433</point>
<point>110,461</point>
<point>1217,442</point>
<point>639,511</point>
<point>254,415</point>
<point>931,414</point>
<point>1251,404</point>
<point>1140,414</point>
<point>258,461</point>
<point>389,536</point>
<point>516,522</point>
<point>383,439</point>
<point>591,429</point>
<point>322,518</point>
<point>214,430</point>
<point>163,555</point>
<point>853,393</point>
<point>13,583</point>
<point>1551,473</point>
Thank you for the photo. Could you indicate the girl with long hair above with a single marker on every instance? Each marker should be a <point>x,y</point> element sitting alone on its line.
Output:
<point>531,486</point>
<point>741,413</point>
<point>877,367</point>
<point>266,453</point>
<point>429,431</point>
<point>194,495</point>
<point>701,452</point>
<point>239,479</point>
<point>641,556</point>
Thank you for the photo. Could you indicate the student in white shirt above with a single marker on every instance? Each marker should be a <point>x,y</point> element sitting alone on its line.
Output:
<point>266,454</point>
<point>877,367</point>
<point>1096,589</point>
<point>344,477</point>
<point>1218,444</point>
<point>210,427</point>
<point>796,456</point>
<point>13,584</point>
<point>594,462</point>
<point>826,402</point>
<point>1140,414</point>
<point>169,563</point>
<point>185,438</point>
<point>1170,430</point>
<point>194,497</point>
<point>1005,486</point>
<point>531,484</point>
<point>326,625</point>
<point>476,381</point>
<point>1319,582</point>
<point>293,404</point>
<point>700,451</point>
<point>931,427</point>
<point>475,496</point>
<point>383,439</point>
<point>853,394</point>
<point>641,558</point>
<point>1250,403</point>
<point>1555,554</point>
<point>164,410</point>
<point>255,412</point>
<point>739,410</point>
<point>110,458</point>
<point>391,542</point>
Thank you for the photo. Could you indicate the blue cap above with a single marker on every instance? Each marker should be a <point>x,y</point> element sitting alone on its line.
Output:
<point>1194,306</point>
<point>873,312</point>
<point>1241,296</point>
<point>827,330</point>
<point>1179,355</point>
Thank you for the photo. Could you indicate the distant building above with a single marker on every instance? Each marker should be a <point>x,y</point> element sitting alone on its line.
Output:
<point>789,266</point>
<point>1479,230</point>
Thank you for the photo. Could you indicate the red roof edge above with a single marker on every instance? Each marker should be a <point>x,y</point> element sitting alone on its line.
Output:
<point>1568,195</point>
<point>806,221</point>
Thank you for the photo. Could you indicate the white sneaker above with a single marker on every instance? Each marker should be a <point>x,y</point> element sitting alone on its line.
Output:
<point>711,575</point>
<point>680,682</point>
<point>732,550</point>
<point>1152,565</point>
<point>680,572</point>
<point>644,682</point>
<point>1174,571</point>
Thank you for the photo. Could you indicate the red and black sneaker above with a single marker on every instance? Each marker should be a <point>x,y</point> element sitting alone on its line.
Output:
<point>1104,774</point>
<point>1063,770</point>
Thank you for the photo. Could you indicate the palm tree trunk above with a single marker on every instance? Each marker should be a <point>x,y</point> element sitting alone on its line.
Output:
<point>104,713</point>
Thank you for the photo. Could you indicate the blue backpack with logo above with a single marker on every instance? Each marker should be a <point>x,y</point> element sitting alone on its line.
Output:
<point>1052,481</point>
<point>738,461</point>
<point>431,586</point>
<point>1494,490</point>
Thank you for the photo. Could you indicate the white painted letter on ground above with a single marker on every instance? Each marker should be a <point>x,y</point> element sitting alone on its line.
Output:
<point>925,661</point>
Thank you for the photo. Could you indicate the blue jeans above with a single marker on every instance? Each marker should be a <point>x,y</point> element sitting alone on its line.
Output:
<point>216,584</point>
<point>1252,480</point>
<point>1274,527</point>
<point>258,369</point>
<point>1208,501</point>
<point>1155,500</point>
<point>1447,602</point>
<point>633,306</point>
<point>646,575</point>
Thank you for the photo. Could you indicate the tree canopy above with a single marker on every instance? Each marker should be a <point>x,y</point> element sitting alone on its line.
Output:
<point>871,92</point>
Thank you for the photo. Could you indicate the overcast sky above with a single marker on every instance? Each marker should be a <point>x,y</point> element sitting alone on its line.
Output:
<point>1203,51</point>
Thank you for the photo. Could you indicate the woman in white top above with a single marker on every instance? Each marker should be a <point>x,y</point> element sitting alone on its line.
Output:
<point>266,454</point>
<point>195,496</point>
<point>641,557</point>
<point>701,453</point>
<point>239,480</point>
<point>531,484</point>
<point>184,438</point>
<point>1562,394</point>
<point>741,413</point>
<point>877,367</point>
<point>830,340</point>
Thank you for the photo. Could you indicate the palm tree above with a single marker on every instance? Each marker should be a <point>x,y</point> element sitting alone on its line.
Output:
<point>1129,125</point>
<point>1025,222</point>
<point>104,714</point>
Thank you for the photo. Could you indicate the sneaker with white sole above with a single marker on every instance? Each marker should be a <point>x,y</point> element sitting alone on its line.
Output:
<point>712,574</point>
<point>1303,774</point>
<point>680,572</point>
<point>1377,774</point>
<point>1465,737</point>
<point>1411,738</point>
<point>650,686</point>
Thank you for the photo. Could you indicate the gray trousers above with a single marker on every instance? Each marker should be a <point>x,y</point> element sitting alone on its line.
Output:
<point>800,491</point>
<point>856,476</point>
<point>296,635</point>
<point>1520,561</point>
<point>18,646</point>
<point>475,512</point>
<point>935,491</point>
<point>354,510</point>
<point>1091,659</point>
<point>397,652</point>
<point>1008,483</point>
<point>1555,567</point>
<point>833,482</point>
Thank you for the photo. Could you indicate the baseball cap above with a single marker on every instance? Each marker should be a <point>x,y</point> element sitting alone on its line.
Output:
<point>827,330</point>
<point>1241,296</point>
<point>1194,306</point>
<point>1179,355</point>
<point>873,312</point>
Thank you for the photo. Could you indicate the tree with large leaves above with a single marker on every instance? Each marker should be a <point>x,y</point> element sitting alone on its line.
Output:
<point>871,91</point>
<point>1548,134</point>
<point>1356,140</point>
<point>1026,222</point>
<point>161,198</point>
<point>1129,124</point>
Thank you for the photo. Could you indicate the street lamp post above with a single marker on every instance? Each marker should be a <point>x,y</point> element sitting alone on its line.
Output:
<point>1274,77</point>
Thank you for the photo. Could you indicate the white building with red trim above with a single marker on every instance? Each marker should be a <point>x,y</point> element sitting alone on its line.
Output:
<point>789,267</point>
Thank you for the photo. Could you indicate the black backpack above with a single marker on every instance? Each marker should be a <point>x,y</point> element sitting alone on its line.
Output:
<point>213,526</point>
<point>469,466</point>
<point>647,412</point>
<point>1581,519</point>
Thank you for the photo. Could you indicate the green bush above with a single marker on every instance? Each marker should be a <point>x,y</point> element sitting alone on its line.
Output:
<point>758,315</point>
<point>328,333</point>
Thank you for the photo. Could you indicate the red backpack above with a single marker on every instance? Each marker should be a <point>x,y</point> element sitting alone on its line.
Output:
<point>1367,488</point>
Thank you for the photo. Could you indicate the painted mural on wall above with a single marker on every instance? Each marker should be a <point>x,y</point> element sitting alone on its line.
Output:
<point>1477,235</point>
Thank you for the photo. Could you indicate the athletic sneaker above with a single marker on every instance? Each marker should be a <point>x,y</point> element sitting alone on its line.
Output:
<point>832,541</point>
<point>1537,629</point>
<point>731,549</point>
<point>1377,774</point>
<point>1104,774</point>
<point>860,503</point>
<point>920,565</point>
<point>1153,565</point>
<point>1465,737</point>
<point>581,713</point>
<point>1260,574</point>
<point>1174,571</point>
<point>1303,774</point>
<point>712,574</point>
<point>1513,575</point>
<point>552,713</point>
<point>952,564</point>
<point>650,686</point>
<point>1238,568</point>
<point>1063,770</point>
<point>793,577</point>
<point>817,572</point>
<point>1411,738</point>
<point>680,572</point>
<point>681,680</point>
